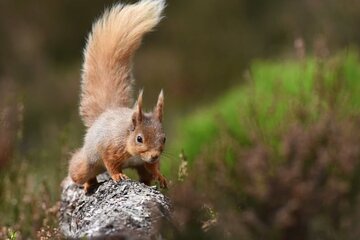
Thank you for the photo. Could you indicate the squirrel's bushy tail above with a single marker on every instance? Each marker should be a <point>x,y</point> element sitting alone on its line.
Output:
<point>106,77</point>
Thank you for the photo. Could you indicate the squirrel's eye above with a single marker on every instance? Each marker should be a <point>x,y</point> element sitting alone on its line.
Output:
<point>139,139</point>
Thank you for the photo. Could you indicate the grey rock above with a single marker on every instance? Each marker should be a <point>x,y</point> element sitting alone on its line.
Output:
<point>124,210</point>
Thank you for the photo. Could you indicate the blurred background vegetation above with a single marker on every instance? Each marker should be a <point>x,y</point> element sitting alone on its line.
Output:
<point>254,90</point>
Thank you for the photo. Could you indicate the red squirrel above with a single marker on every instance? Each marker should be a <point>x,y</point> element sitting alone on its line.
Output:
<point>118,135</point>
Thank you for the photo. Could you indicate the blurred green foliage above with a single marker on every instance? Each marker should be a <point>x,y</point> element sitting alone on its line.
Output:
<point>198,53</point>
<point>271,99</point>
<point>199,43</point>
<point>276,158</point>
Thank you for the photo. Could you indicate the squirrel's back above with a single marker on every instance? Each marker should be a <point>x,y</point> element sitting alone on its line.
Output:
<point>107,77</point>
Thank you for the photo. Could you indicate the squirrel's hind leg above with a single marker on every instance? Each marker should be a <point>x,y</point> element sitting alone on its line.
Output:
<point>90,184</point>
<point>80,171</point>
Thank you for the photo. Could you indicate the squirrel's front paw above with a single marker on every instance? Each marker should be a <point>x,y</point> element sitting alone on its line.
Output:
<point>119,177</point>
<point>162,181</point>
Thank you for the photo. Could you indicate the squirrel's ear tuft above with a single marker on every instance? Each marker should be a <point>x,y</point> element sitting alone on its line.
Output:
<point>137,117</point>
<point>158,111</point>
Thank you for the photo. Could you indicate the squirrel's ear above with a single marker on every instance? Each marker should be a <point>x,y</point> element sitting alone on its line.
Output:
<point>159,106</point>
<point>137,117</point>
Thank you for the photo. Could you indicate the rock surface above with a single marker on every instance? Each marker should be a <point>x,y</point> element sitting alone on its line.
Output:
<point>123,210</point>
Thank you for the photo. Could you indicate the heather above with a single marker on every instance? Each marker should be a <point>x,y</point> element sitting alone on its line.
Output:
<point>262,111</point>
<point>277,158</point>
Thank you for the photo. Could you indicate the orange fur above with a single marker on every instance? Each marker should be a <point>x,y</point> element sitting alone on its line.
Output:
<point>145,176</point>
<point>90,184</point>
<point>113,159</point>
<point>154,169</point>
<point>81,172</point>
<point>113,127</point>
<point>107,78</point>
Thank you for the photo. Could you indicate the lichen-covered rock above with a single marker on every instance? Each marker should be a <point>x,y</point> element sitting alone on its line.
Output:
<point>123,210</point>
